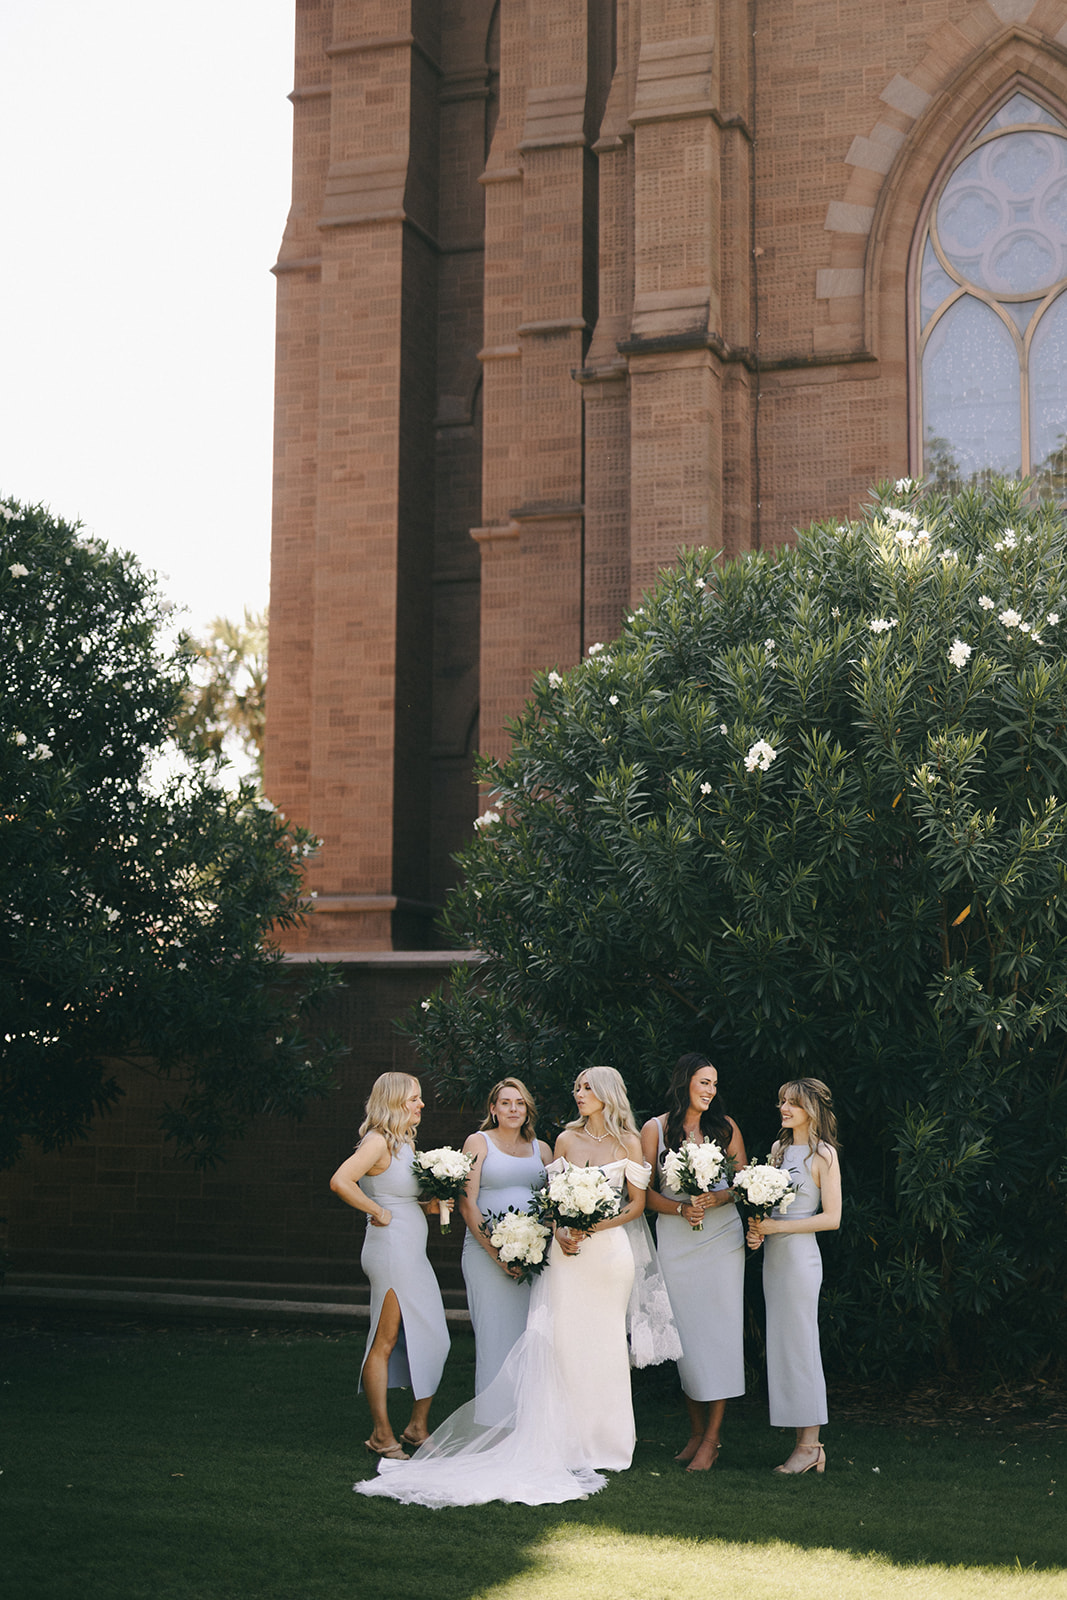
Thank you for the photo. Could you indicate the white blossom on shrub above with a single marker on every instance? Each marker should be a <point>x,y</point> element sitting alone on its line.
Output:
<point>760,756</point>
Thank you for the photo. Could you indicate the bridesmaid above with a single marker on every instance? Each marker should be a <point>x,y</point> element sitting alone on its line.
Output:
<point>408,1339</point>
<point>792,1267</point>
<point>704,1269</point>
<point>509,1164</point>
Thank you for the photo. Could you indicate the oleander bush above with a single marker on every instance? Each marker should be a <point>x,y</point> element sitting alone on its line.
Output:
<point>805,813</point>
<point>139,895</point>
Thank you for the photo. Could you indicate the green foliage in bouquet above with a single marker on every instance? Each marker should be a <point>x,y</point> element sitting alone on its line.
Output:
<point>138,897</point>
<point>805,813</point>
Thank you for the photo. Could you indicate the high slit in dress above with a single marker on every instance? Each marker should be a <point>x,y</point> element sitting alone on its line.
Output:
<point>394,1258</point>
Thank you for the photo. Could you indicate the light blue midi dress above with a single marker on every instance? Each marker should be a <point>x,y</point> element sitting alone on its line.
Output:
<point>394,1258</point>
<point>792,1277</point>
<point>497,1304</point>
<point>705,1275</point>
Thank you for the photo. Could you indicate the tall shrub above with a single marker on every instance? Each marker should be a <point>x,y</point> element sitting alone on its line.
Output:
<point>138,907</point>
<point>806,812</point>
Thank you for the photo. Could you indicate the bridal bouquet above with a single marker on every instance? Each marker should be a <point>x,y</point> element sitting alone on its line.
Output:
<point>442,1175</point>
<point>576,1198</point>
<point>761,1187</point>
<point>520,1240</point>
<point>695,1169</point>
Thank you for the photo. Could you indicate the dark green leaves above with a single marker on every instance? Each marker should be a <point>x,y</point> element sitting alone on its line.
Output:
<point>805,812</point>
<point>137,906</point>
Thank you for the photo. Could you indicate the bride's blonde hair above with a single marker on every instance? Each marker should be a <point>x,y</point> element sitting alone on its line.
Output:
<point>385,1112</point>
<point>609,1088</point>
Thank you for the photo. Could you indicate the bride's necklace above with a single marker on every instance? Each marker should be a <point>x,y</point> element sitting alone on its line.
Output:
<point>599,1137</point>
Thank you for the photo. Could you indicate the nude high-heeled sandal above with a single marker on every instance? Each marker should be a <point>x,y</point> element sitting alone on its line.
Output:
<point>817,1464</point>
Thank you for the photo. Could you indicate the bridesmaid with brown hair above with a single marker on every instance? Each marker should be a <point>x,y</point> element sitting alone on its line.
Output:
<point>806,1148</point>
<point>509,1164</point>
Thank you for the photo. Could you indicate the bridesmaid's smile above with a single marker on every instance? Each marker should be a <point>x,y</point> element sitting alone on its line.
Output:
<point>703,1087</point>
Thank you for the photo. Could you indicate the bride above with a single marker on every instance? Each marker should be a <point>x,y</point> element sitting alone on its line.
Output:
<point>559,1413</point>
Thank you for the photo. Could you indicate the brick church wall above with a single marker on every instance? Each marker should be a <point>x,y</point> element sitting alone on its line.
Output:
<point>565,287</point>
<point>122,1205</point>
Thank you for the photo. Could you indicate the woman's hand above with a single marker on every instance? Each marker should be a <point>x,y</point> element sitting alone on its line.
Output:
<point>754,1236</point>
<point>570,1240</point>
<point>384,1220</point>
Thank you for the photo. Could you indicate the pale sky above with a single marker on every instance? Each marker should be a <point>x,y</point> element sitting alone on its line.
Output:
<point>144,173</point>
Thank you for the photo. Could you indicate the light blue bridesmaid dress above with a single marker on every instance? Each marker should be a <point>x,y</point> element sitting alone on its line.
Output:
<point>792,1277</point>
<point>705,1275</point>
<point>497,1304</point>
<point>394,1258</point>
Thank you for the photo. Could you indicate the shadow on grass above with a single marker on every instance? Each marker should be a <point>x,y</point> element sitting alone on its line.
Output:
<point>219,1466</point>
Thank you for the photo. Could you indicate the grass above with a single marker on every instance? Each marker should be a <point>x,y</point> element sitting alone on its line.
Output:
<point>186,1465</point>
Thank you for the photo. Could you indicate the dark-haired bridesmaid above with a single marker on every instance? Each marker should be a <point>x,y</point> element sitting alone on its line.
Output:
<point>704,1268</point>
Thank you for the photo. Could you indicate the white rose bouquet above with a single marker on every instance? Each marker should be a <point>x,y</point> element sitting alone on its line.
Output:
<point>576,1198</point>
<point>761,1187</point>
<point>442,1175</point>
<point>520,1241</point>
<point>696,1169</point>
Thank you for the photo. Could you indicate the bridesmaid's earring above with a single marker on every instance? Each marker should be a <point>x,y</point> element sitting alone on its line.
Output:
<point>495,1122</point>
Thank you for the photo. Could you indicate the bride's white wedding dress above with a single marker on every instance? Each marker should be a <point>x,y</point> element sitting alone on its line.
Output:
<point>559,1412</point>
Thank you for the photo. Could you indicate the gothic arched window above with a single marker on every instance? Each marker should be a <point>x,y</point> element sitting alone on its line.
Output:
<point>991,307</point>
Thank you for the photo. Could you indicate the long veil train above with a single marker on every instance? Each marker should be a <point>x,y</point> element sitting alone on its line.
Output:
<point>519,1440</point>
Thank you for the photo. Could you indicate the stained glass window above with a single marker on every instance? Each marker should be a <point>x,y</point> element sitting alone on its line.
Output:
<point>991,303</point>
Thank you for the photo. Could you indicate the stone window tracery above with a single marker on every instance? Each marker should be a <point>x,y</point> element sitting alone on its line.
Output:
<point>991,306</point>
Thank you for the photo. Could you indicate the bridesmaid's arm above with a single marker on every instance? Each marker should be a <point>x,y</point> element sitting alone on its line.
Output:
<point>655,1201</point>
<point>476,1145</point>
<point>650,1152</point>
<point>370,1157</point>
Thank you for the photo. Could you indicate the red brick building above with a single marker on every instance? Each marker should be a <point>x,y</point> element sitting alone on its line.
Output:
<point>569,283</point>
<point>566,284</point>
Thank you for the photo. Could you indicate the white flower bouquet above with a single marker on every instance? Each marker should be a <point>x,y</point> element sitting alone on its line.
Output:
<point>761,1187</point>
<point>696,1169</point>
<point>520,1241</point>
<point>576,1198</point>
<point>442,1175</point>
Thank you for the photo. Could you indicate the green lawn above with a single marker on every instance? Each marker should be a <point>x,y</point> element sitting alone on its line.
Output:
<point>186,1465</point>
